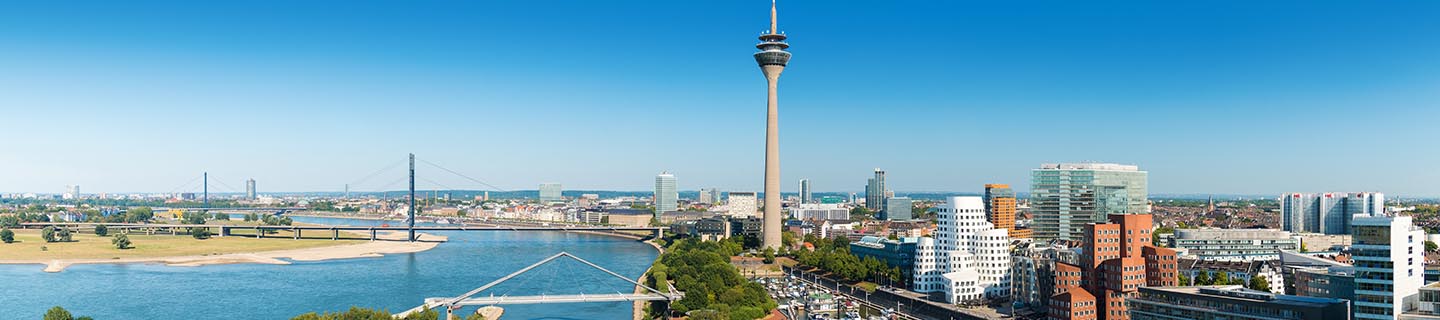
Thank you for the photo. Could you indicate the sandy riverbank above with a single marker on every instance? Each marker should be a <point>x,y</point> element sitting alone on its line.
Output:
<point>391,243</point>
<point>637,311</point>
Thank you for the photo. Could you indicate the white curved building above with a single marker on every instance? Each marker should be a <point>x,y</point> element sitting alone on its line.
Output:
<point>968,259</point>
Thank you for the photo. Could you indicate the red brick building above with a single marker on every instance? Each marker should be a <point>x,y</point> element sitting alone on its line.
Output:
<point>1117,259</point>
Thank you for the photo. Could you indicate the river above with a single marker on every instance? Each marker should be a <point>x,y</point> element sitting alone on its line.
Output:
<point>395,282</point>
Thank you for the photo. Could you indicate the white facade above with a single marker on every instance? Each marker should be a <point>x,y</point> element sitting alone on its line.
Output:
<point>742,204</point>
<point>815,211</point>
<point>1389,256</point>
<point>968,259</point>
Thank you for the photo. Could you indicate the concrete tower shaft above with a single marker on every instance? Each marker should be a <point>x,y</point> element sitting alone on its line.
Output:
<point>772,59</point>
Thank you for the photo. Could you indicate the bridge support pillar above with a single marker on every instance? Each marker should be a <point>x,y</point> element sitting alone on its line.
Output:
<point>174,231</point>
<point>259,234</point>
<point>372,234</point>
<point>297,233</point>
<point>335,235</point>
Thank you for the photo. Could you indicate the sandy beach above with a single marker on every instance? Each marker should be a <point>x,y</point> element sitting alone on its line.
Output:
<point>391,243</point>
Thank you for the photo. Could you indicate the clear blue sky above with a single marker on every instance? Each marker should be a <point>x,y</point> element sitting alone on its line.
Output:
<point>1257,97</point>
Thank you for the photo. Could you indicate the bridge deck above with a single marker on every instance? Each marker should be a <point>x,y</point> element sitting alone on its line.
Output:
<point>354,228</point>
<point>542,299</point>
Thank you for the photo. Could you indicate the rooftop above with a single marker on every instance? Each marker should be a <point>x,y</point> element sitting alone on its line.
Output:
<point>1089,166</point>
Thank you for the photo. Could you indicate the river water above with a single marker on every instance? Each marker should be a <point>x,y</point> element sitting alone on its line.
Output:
<point>395,282</point>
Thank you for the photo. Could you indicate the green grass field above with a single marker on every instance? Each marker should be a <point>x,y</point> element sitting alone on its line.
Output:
<point>28,246</point>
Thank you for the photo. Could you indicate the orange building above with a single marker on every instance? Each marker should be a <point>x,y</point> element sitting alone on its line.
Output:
<point>1117,259</point>
<point>1073,305</point>
<point>1000,210</point>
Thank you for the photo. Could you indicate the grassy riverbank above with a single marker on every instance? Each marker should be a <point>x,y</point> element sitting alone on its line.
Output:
<point>30,246</point>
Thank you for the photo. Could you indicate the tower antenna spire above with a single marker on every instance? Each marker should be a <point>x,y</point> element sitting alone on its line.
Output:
<point>774,25</point>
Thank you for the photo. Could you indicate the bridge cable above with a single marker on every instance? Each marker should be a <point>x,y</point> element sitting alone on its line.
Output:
<point>462,175</point>
<point>377,172</point>
<point>182,186</point>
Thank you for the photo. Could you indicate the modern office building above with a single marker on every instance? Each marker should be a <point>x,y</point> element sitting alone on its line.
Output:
<point>1428,304</point>
<point>898,209</point>
<point>968,259</point>
<point>1389,258</point>
<point>1033,274</point>
<point>1324,282</point>
<point>666,196</point>
<point>1000,209</point>
<point>71,192</point>
<point>805,193</point>
<point>1242,271</point>
<point>1327,213</point>
<point>1065,197</point>
<point>550,192</point>
<point>772,59</point>
<point>742,204</point>
<point>820,211</point>
<point>1231,303</point>
<point>875,191</point>
<point>894,253</point>
<point>1116,259</point>
<point>706,196</point>
<point>1234,244</point>
<point>250,189</point>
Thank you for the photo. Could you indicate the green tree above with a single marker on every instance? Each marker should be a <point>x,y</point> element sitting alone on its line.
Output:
<point>1202,278</point>
<point>1259,283</point>
<point>10,221</point>
<point>58,313</point>
<point>84,318</point>
<point>139,214</point>
<point>48,234</point>
<point>64,235</point>
<point>1155,236</point>
<point>1185,280</point>
<point>475,316</point>
<point>7,236</point>
<point>121,241</point>
<point>101,230</point>
<point>200,233</point>
<point>1430,246</point>
<point>787,239</point>
<point>769,255</point>
<point>1221,278</point>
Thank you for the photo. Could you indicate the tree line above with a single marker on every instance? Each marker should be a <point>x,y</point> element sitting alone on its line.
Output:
<point>712,287</point>
<point>834,255</point>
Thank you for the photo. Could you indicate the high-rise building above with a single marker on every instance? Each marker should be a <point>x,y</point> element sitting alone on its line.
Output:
<point>875,191</point>
<point>71,192</point>
<point>550,192</point>
<point>898,209</point>
<point>1065,197</point>
<point>1389,256</point>
<point>1000,209</point>
<point>805,196</point>
<point>1231,302</point>
<point>742,204</point>
<point>968,259</point>
<point>250,189</point>
<point>1116,259</point>
<point>1327,213</point>
<point>706,196</point>
<point>772,59</point>
<point>717,196</point>
<point>666,197</point>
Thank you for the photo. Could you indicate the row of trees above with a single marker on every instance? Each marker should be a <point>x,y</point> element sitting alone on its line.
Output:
<point>52,234</point>
<point>713,288</point>
<point>834,255</point>
<point>1219,278</point>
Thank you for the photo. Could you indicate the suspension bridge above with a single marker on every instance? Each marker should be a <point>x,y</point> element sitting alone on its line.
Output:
<point>450,304</point>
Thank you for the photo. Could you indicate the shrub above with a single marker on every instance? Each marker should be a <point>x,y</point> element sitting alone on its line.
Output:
<point>48,234</point>
<point>101,230</point>
<point>121,241</point>
<point>7,235</point>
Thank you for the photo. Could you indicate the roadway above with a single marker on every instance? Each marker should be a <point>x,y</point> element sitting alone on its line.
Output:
<point>909,305</point>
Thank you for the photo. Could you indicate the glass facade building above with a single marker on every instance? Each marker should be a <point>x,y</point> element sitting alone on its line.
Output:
<point>666,197</point>
<point>1065,197</point>
<point>550,192</point>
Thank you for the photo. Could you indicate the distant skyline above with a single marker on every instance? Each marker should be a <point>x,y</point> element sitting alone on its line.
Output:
<point>1225,97</point>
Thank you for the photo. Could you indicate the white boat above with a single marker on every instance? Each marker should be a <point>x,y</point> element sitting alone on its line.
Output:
<point>442,221</point>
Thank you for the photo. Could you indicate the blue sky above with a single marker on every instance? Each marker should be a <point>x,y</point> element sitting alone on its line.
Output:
<point>1208,96</point>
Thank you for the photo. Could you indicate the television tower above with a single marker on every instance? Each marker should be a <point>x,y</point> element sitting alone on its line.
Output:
<point>772,59</point>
